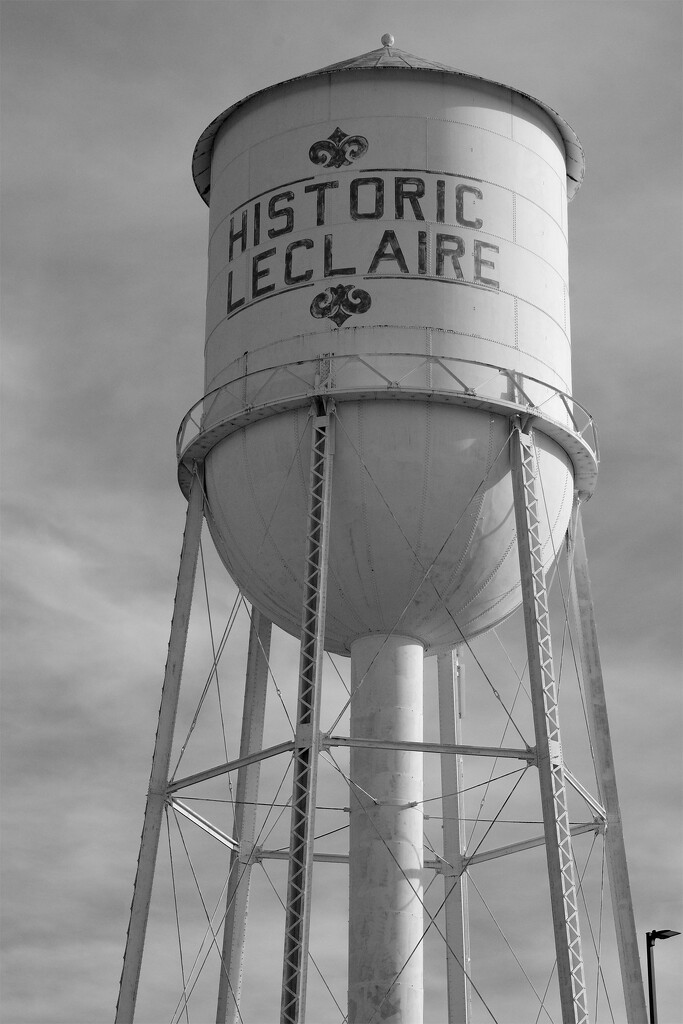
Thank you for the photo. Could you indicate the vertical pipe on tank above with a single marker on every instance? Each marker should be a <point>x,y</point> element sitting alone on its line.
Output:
<point>386,833</point>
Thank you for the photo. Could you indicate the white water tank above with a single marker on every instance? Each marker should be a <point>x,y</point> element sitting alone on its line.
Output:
<point>391,234</point>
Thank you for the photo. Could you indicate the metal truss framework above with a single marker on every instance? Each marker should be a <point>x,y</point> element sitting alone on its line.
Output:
<point>307,736</point>
<point>547,728</point>
<point>308,742</point>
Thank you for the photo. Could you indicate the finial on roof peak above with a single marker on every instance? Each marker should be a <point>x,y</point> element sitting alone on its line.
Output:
<point>387,39</point>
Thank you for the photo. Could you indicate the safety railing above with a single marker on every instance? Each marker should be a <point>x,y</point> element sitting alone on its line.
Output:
<point>408,374</point>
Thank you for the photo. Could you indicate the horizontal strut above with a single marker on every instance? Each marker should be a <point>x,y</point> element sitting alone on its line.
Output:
<point>529,844</point>
<point>527,754</point>
<point>438,864</point>
<point>230,766</point>
<point>324,858</point>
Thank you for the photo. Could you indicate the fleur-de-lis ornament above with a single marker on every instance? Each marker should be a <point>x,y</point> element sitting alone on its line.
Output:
<point>338,149</point>
<point>340,302</point>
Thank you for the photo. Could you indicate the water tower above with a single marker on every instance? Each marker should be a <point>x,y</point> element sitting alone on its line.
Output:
<point>389,458</point>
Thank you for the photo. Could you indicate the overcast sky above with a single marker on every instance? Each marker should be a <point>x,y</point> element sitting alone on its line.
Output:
<point>103,278</point>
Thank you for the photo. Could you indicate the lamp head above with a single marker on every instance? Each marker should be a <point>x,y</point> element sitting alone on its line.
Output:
<point>665,933</point>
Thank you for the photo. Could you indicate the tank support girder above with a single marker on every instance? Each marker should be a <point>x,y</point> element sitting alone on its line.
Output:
<point>157,793</point>
<point>557,829</point>
<point>244,829</point>
<point>307,735</point>
<point>581,603</point>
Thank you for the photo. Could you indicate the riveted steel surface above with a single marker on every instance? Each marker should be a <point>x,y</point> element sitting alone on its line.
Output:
<point>393,212</point>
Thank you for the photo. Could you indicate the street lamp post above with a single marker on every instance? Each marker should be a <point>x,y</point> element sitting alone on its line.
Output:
<point>652,937</point>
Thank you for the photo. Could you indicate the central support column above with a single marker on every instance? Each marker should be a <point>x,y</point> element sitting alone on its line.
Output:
<point>386,834</point>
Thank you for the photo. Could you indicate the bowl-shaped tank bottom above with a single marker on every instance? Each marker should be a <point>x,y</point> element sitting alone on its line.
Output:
<point>422,525</point>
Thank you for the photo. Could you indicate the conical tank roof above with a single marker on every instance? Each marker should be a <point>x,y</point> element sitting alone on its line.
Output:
<point>386,57</point>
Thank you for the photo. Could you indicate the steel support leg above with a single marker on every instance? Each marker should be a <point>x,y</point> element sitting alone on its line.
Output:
<point>244,831</point>
<point>307,739</point>
<point>598,725</point>
<point>547,729</point>
<point>156,794</point>
<point>450,680</point>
